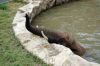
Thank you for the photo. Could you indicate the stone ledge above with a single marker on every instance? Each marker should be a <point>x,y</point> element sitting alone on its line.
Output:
<point>54,54</point>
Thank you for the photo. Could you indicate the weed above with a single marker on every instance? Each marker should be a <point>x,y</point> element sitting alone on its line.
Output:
<point>3,6</point>
<point>21,1</point>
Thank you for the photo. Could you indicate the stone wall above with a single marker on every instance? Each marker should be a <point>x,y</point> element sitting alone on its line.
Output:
<point>54,54</point>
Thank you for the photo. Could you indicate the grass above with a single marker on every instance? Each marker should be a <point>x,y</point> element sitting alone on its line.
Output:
<point>3,6</point>
<point>22,1</point>
<point>11,51</point>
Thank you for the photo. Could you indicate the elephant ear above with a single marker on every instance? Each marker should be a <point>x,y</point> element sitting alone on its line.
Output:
<point>65,42</point>
<point>61,40</point>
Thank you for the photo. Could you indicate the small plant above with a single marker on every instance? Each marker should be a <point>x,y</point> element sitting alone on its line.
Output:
<point>18,1</point>
<point>4,6</point>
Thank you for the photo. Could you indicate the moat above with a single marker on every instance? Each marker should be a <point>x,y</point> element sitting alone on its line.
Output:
<point>81,18</point>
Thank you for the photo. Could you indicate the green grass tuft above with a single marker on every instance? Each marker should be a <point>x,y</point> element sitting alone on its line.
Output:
<point>3,6</point>
<point>21,1</point>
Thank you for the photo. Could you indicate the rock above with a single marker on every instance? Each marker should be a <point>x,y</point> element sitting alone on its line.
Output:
<point>54,54</point>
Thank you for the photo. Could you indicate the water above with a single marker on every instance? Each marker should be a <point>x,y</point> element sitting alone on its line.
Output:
<point>82,19</point>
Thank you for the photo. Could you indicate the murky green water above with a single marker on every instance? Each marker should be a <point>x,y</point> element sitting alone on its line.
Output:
<point>82,19</point>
